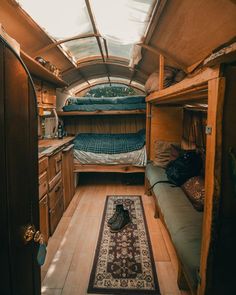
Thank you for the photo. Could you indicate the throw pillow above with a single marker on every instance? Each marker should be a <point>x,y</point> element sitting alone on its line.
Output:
<point>163,152</point>
<point>194,188</point>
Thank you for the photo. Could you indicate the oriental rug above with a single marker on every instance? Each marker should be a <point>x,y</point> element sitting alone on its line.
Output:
<point>123,262</point>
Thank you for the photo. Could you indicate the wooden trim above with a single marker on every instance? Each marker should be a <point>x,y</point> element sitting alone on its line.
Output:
<point>107,168</point>
<point>38,70</point>
<point>212,180</point>
<point>81,113</point>
<point>161,72</point>
<point>189,86</point>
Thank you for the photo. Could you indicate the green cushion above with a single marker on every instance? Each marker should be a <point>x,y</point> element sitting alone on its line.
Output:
<point>155,173</point>
<point>182,220</point>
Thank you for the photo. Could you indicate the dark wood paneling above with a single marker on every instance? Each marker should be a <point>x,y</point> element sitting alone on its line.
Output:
<point>19,149</point>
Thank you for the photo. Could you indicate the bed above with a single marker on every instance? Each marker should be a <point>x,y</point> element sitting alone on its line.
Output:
<point>122,152</point>
<point>106,104</point>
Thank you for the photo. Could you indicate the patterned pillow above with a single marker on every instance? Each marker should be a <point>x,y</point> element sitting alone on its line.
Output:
<point>194,188</point>
<point>163,152</point>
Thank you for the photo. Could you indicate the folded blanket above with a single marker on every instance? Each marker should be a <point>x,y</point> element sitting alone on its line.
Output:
<point>106,100</point>
<point>109,143</point>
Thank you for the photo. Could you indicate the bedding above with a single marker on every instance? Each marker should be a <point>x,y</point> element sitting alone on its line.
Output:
<point>91,104</point>
<point>134,158</point>
<point>111,149</point>
<point>101,143</point>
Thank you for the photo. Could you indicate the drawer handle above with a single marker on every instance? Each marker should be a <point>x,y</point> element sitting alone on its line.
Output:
<point>57,189</point>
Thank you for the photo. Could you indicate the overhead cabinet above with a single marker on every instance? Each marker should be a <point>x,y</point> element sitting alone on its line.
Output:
<point>46,94</point>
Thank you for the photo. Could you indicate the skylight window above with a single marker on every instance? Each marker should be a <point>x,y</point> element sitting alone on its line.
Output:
<point>61,19</point>
<point>121,22</point>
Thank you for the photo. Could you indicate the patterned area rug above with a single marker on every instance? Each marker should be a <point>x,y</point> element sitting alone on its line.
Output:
<point>123,262</point>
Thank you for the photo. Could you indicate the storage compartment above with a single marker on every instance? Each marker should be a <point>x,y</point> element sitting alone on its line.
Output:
<point>43,165</point>
<point>48,95</point>
<point>55,215</point>
<point>43,184</point>
<point>55,194</point>
<point>54,165</point>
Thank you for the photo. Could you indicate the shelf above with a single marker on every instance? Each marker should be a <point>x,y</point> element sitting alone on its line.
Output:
<point>38,70</point>
<point>194,88</point>
<point>83,113</point>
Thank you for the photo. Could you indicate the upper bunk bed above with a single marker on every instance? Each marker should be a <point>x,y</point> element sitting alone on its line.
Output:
<point>79,106</point>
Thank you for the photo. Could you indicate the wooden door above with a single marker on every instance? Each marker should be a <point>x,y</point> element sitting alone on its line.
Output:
<point>20,273</point>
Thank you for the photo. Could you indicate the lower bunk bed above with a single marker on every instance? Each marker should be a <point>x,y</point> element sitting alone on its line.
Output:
<point>183,224</point>
<point>99,152</point>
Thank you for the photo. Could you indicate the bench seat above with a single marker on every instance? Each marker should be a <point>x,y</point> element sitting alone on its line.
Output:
<point>183,222</point>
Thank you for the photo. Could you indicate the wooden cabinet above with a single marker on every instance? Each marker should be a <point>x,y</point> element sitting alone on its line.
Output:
<point>46,93</point>
<point>43,215</point>
<point>56,205</point>
<point>56,184</point>
<point>68,174</point>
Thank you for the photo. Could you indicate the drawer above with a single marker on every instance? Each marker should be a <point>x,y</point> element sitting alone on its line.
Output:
<point>43,184</point>
<point>43,165</point>
<point>55,163</point>
<point>55,215</point>
<point>55,180</point>
<point>55,194</point>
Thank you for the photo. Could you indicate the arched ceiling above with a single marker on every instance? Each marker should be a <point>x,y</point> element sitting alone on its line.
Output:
<point>73,36</point>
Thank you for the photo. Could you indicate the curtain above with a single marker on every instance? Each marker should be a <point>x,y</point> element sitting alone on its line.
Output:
<point>194,124</point>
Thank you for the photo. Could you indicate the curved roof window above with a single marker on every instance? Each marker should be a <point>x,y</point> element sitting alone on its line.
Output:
<point>110,90</point>
<point>115,24</point>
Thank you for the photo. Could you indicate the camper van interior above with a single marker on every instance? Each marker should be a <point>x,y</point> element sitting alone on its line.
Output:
<point>118,147</point>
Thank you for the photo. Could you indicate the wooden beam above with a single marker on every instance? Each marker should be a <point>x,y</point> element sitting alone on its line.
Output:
<point>56,43</point>
<point>188,84</point>
<point>212,180</point>
<point>157,12</point>
<point>107,168</point>
<point>161,72</point>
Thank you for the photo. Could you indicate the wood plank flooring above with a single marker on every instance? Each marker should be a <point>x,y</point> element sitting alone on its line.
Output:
<point>71,248</point>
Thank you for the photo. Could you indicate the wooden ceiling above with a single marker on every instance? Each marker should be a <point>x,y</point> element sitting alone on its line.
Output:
<point>185,32</point>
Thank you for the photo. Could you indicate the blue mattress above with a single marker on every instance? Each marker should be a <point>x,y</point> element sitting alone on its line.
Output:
<point>90,104</point>
<point>109,143</point>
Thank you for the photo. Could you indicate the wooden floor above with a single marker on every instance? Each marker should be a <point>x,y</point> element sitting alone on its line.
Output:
<point>71,248</point>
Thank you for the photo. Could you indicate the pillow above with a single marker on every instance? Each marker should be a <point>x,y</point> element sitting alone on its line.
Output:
<point>152,83</point>
<point>163,152</point>
<point>194,188</point>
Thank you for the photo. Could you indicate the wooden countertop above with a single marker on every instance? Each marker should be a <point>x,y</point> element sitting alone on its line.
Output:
<point>53,145</point>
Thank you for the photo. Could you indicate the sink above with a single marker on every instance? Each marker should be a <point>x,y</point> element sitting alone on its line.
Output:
<point>43,148</point>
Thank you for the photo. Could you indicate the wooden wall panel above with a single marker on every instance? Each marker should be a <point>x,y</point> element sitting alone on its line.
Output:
<point>166,125</point>
<point>104,124</point>
<point>213,181</point>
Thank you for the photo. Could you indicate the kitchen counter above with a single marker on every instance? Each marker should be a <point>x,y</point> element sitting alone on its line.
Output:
<point>50,146</point>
